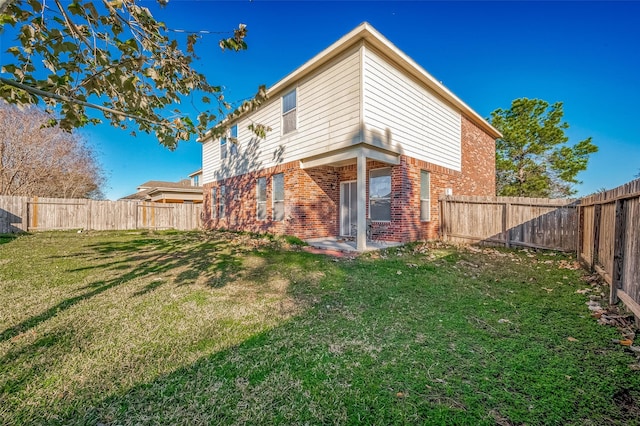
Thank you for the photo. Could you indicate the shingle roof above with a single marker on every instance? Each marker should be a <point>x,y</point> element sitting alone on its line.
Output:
<point>184,183</point>
<point>140,195</point>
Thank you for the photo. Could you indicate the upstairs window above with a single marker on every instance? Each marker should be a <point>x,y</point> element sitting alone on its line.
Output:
<point>425,196</point>
<point>261,197</point>
<point>223,147</point>
<point>233,139</point>
<point>229,142</point>
<point>380,194</point>
<point>278,197</point>
<point>289,116</point>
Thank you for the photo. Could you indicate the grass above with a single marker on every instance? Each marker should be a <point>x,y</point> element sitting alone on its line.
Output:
<point>222,328</point>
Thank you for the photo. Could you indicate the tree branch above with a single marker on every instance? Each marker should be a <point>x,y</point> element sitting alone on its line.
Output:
<point>45,94</point>
<point>71,25</point>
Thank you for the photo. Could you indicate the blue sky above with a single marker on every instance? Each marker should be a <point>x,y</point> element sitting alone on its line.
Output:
<point>585,54</point>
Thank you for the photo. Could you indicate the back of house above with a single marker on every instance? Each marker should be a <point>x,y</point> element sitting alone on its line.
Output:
<point>363,141</point>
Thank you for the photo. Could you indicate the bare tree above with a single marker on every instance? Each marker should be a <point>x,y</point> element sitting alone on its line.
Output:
<point>37,159</point>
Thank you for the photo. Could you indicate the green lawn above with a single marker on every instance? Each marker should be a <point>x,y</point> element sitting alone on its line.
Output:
<point>220,328</point>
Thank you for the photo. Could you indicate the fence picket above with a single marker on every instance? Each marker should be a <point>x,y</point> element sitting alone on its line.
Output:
<point>517,221</point>
<point>18,214</point>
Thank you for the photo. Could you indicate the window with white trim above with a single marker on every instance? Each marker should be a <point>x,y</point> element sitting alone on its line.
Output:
<point>278,196</point>
<point>380,194</point>
<point>289,108</point>
<point>233,139</point>
<point>221,203</point>
<point>425,196</point>
<point>223,147</point>
<point>214,203</point>
<point>261,197</point>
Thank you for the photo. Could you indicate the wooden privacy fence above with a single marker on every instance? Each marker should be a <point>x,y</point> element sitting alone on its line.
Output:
<point>510,221</point>
<point>18,214</point>
<point>610,240</point>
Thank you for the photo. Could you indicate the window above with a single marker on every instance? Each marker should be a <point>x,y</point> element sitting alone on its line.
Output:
<point>223,147</point>
<point>425,196</point>
<point>261,196</point>
<point>289,119</point>
<point>233,139</point>
<point>278,197</point>
<point>380,194</point>
<point>196,180</point>
<point>214,203</point>
<point>221,204</point>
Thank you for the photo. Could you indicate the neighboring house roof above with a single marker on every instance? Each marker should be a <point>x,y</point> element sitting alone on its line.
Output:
<point>158,190</point>
<point>163,184</point>
<point>365,32</point>
<point>140,195</point>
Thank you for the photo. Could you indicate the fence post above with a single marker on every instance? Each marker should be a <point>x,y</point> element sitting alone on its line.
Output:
<point>580,225</point>
<point>89,204</point>
<point>505,224</point>
<point>443,232</point>
<point>34,213</point>
<point>618,251</point>
<point>25,215</point>
<point>597,212</point>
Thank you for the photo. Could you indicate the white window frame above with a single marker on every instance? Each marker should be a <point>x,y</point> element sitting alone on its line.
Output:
<point>223,148</point>
<point>381,198</point>
<point>221,203</point>
<point>274,201</point>
<point>425,202</point>
<point>258,202</point>
<point>291,111</point>
<point>233,140</point>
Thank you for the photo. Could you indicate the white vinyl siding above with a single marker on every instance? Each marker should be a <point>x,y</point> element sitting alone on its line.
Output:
<point>354,92</point>
<point>425,196</point>
<point>210,161</point>
<point>402,115</point>
<point>327,118</point>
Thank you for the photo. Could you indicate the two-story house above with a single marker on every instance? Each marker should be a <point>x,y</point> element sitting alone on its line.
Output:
<point>362,139</point>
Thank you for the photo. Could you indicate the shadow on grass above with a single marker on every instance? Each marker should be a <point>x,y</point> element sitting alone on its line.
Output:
<point>183,258</point>
<point>7,238</point>
<point>213,262</point>
<point>383,342</point>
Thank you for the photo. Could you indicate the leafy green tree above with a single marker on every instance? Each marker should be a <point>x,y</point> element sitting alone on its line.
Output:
<point>533,158</point>
<point>110,56</point>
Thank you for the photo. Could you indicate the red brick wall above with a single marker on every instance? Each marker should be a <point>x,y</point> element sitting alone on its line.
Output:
<point>310,202</point>
<point>478,162</point>
<point>312,196</point>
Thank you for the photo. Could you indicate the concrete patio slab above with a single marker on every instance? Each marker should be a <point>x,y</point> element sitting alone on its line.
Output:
<point>347,246</point>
